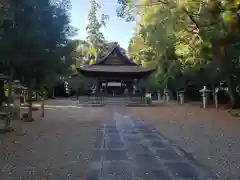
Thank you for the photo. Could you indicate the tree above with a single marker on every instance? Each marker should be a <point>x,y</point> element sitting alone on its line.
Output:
<point>39,31</point>
<point>95,37</point>
<point>194,38</point>
<point>11,47</point>
<point>54,28</point>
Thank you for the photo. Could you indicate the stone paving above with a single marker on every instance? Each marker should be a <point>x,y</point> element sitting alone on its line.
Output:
<point>129,149</point>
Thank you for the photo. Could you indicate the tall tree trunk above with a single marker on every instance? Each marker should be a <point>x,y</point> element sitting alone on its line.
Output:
<point>233,93</point>
<point>30,93</point>
<point>42,101</point>
<point>53,94</point>
<point>9,100</point>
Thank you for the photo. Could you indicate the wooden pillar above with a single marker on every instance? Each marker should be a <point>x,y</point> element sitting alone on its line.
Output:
<point>106,87</point>
<point>130,88</point>
<point>98,86</point>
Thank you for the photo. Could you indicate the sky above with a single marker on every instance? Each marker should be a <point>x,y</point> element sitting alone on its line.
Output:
<point>117,29</point>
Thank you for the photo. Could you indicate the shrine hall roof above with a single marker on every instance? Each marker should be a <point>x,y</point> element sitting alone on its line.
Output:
<point>115,62</point>
<point>115,50</point>
<point>120,68</point>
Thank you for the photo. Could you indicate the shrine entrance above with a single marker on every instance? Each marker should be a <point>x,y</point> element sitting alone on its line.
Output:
<point>113,88</point>
<point>116,75</point>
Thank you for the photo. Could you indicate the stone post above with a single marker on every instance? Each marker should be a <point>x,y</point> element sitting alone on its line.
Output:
<point>42,106</point>
<point>181,97</point>
<point>159,96</point>
<point>204,92</point>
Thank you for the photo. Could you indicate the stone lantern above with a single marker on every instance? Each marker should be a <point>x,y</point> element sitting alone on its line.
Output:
<point>148,97</point>
<point>204,92</point>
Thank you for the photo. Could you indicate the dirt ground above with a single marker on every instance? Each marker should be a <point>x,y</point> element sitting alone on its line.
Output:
<point>212,137</point>
<point>56,147</point>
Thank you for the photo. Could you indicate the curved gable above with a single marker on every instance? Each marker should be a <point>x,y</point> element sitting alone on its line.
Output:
<point>115,57</point>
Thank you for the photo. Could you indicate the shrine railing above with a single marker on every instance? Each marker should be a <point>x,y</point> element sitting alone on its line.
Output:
<point>92,99</point>
<point>107,100</point>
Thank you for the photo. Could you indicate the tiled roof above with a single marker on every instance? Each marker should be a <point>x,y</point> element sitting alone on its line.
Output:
<point>115,62</point>
<point>111,68</point>
<point>115,47</point>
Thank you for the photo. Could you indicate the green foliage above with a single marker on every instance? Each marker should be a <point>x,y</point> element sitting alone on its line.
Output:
<point>196,39</point>
<point>79,82</point>
<point>95,37</point>
<point>32,44</point>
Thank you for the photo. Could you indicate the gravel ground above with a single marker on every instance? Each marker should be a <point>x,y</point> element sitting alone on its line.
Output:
<point>212,137</point>
<point>60,145</point>
<point>56,147</point>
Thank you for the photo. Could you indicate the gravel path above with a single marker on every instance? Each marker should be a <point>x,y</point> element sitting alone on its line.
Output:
<point>130,149</point>
<point>57,147</point>
<point>212,137</point>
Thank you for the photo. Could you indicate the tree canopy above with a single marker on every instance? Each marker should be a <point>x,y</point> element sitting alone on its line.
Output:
<point>194,42</point>
<point>34,35</point>
<point>95,37</point>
